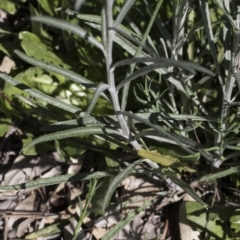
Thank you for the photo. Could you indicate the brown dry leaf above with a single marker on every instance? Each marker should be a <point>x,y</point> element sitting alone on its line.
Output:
<point>136,191</point>
<point>139,188</point>
<point>25,168</point>
<point>69,230</point>
<point>152,229</point>
<point>186,231</point>
<point>132,230</point>
<point>75,208</point>
<point>97,232</point>
<point>14,175</point>
<point>109,219</point>
<point>67,193</point>
<point>77,164</point>
<point>42,223</point>
<point>7,65</point>
<point>27,205</point>
<point>22,227</point>
<point>3,15</point>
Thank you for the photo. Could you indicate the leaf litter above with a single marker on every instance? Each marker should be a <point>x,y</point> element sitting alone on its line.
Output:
<point>32,213</point>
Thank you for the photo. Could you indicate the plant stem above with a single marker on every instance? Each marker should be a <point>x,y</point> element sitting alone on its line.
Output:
<point>110,33</point>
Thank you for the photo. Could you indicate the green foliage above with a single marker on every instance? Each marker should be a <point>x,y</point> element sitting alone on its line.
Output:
<point>34,47</point>
<point>93,186</point>
<point>5,126</point>
<point>217,222</point>
<point>10,6</point>
<point>168,71</point>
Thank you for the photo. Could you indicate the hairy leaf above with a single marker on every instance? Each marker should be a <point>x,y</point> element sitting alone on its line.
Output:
<point>115,183</point>
<point>80,32</point>
<point>54,180</point>
<point>76,132</point>
<point>131,215</point>
<point>40,95</point>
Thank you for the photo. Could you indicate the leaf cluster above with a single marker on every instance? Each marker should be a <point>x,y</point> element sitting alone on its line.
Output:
<point>185,83</point>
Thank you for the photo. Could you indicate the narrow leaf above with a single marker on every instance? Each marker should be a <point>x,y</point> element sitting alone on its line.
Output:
<point>180,140</point>
<point>43,111</point>
<point>76,132</point>
<point>131,215</point>
<point>115,183</point>
<point>54,180</point>
<point>190,66</point>
<point>165,160</point>
<point>80,32</point>
<point>159,129</point>
<point>111,119</point>
<point>141,72</point>
<point>95,19</point>
<point>186,188</point>
<point>49,67</point>
<point>40,95</point>
<point>122,42</point>
<point>50,229</point>
<point>99,90</point>
<point>126,7</point>
<point>78,4</point>
<point>134,40</point>
<point>208,28</point>
<point>215,176</point>
<point>64,72</point>
<point>219,3</point>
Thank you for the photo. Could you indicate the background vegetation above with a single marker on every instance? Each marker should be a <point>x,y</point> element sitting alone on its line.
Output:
<point>122,89</point>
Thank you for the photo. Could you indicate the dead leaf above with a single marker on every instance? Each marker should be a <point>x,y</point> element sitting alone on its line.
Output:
<point>7,65</point>
<point>25,168</point>
<point>22,227</point>
<point>97,232</point>
<point>3,15</point>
